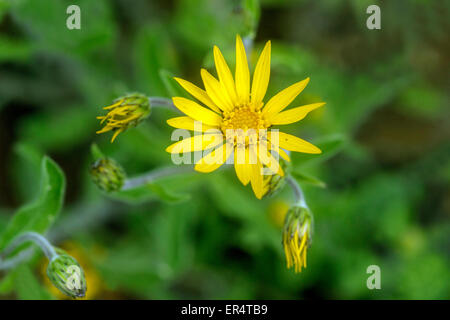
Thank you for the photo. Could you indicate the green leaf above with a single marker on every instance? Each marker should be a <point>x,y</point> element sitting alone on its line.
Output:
<point>165,194</point>
<point>44,130</point>
<point>96,152</point>
<point>26,168</point>
<point>43,17</point>
<point>27,286</point>
<point>329,145</point>
<point>40,214</point>
<point>252,13</point>
<point>150,191</point>
<point>14,50</point>
<point>153,51</point>
<point>4,6</point>
<point>172,87</point>
<point>7,283</point>
<point>302,177</point>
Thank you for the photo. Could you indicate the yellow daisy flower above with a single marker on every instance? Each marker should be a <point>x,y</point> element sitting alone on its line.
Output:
<point>232,105</point>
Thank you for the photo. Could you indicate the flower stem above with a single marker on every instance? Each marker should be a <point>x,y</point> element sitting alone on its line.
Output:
<point>248,45</point>
<point>162,103</point>
<point>153,175</point>
<point>297,190</point>
<point>34,237</point>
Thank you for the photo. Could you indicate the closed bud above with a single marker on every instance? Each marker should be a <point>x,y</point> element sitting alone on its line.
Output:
<point>297,236</point>
<point>67,275</point>
<point>127,111</point>
<point>107,174</point>
<point>275,182</point>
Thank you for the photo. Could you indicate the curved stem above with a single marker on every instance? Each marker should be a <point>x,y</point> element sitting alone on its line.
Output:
<point>17,259</point>
<point>154,175</point>
<point>34,237</point>
<point>297,190</point>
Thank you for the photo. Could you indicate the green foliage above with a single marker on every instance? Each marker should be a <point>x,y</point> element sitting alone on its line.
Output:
<point>27,286</point>
<point>378,191</point>
<point>150,191</point>
<point>39,215</point>
<point>328,145</point>
<point>172,87</point>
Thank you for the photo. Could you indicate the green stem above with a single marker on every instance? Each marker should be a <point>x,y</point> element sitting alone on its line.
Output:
<point>34,237</point>
<point>159,102</point>
<point>297,190</point>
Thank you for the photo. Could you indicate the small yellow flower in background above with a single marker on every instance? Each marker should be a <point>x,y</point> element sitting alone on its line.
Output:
<point>231,104</point>
<point>297,238</point>
<point>125,112</point>
<point>277,212</point>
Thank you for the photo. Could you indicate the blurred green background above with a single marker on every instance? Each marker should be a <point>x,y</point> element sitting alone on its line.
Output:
<point>380,192</point>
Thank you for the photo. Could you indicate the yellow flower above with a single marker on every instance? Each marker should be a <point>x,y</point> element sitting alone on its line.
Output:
<point>297,234</point>
<point>127,111</point>
<point>232,106</point>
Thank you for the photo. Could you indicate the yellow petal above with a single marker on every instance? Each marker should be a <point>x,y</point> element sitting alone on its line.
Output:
<point>114,105</point>
<point>214,159</point>
<point>268,160</point>
<point>241,165</point>
<point>198,94</point>
<point>242,74</point>
<point>197,112</point>
<point>292,143</point>
<point>257,180</point>
<point>195,143</point>
<point>261,76</point>
<point>276,147</point>
<point>189,124</point>
<point>283,154</point>
<point>116,134</point>
<point>215,91</point>
<point>224,74</point>
<point>294,114</point>
<point>282,99</point>
<point>104,129</point>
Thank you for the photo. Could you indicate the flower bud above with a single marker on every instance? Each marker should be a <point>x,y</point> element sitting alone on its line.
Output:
<point>297,236</point>
<point>107,174</point>
<point>274,183</point>
<point>127,111</point>
<point>67,275</point>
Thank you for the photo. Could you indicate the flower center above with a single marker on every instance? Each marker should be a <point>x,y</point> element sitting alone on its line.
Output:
<point>243,117</point>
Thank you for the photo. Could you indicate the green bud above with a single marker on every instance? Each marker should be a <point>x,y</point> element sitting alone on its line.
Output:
<point>107,174</point>
<point>67,275</point>
<point>274,183</point>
